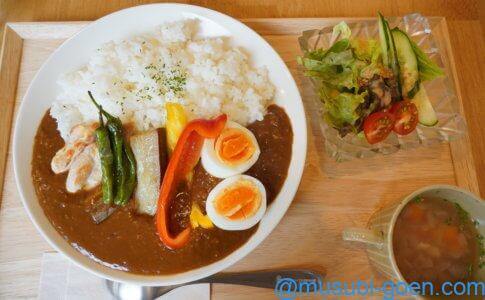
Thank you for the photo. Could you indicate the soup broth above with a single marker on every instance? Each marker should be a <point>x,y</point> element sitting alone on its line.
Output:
<point>436,241</point>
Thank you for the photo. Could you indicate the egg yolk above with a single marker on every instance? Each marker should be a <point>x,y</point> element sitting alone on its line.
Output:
<point>234,146</point>
<point>239,201</point>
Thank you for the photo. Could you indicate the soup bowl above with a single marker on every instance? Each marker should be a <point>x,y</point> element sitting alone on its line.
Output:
<point>378,236</point>
<point>76,51</point>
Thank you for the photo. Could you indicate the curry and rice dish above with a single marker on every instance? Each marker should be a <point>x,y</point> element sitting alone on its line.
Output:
<point>162,154</point>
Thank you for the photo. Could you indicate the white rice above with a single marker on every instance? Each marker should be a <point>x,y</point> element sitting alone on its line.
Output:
<point>133,79</point>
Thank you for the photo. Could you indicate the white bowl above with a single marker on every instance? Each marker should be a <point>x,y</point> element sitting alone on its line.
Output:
<point>76,51</point>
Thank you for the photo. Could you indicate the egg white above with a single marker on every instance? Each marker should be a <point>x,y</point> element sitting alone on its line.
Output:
<point>225,223</point>
<point>217,168</point>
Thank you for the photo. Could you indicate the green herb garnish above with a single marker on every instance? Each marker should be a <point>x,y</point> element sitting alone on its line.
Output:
<point>418,199</point>
<point>168,78</point>
<point>463,215</point>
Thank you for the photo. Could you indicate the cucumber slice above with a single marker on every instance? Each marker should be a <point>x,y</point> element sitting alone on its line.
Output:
<point>426,113</point>
<point>394,64</point>
<point>408,63</point>
<point>384,40</point>
<point>389,53</point>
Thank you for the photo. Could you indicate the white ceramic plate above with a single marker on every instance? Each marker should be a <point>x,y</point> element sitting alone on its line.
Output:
<point>76,51</point>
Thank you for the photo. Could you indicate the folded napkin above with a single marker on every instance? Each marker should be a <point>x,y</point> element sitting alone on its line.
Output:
<point>62,280</point>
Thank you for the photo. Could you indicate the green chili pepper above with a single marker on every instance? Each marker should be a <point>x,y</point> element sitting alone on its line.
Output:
<point>126,172</point>
<point>106,156</point>
<point>120,165</point>
<point>124,162</point>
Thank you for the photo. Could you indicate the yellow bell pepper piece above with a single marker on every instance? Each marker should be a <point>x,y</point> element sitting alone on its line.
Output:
<point>197,218</point>
<point>176,122</point>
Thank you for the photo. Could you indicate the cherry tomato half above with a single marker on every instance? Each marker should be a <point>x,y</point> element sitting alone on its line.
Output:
<point>377,126</point>
<point>406,115</point>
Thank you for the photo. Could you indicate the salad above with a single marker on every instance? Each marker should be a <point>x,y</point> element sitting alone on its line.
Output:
<point>373,86</point>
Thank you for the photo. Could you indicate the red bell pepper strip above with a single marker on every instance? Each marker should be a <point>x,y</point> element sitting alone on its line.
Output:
<point>184,158</point>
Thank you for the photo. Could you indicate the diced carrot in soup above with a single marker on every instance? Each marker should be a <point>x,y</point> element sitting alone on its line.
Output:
<point>414,213</point>
<point>454,241</point>
<point>449,234</point>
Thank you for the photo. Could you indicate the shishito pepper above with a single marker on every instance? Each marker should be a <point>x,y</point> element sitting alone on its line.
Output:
<point>106,157</point>
<point>123,158</point>
<point>184,158</point>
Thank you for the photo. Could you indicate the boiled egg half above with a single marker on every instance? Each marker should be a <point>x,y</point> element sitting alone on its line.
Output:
<point>233,152</point>
<point>237,203</point>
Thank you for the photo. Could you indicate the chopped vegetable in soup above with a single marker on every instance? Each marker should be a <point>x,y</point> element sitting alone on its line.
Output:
<point>435,240</point>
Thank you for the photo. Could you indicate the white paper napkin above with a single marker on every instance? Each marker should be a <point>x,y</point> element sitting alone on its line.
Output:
<point>62,280</point>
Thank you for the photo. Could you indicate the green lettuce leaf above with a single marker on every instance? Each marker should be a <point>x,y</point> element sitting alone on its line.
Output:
<point>343,109</point>
<point>428,70</point>
<point>341,31</point>
<point>365,49</point>
<point>320,54</point>
<point>375,66</point>
<point>335,69</point>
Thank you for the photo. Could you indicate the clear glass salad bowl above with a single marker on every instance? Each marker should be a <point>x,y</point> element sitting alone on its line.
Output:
<point>441,91</point>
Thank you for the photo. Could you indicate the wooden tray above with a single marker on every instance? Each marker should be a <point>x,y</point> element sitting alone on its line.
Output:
<point>331,197</point>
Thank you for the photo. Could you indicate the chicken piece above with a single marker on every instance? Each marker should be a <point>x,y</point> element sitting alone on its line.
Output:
<point>82,168</point>
<point>94,178</point>
<point>62,160</point>
<point>83,133</point>
<point>80,136</point>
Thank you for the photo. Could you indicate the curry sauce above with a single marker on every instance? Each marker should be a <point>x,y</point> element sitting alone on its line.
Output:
<point>127,240</point>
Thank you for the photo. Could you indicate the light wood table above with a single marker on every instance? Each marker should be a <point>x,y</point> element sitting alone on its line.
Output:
<point>21,248</point>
